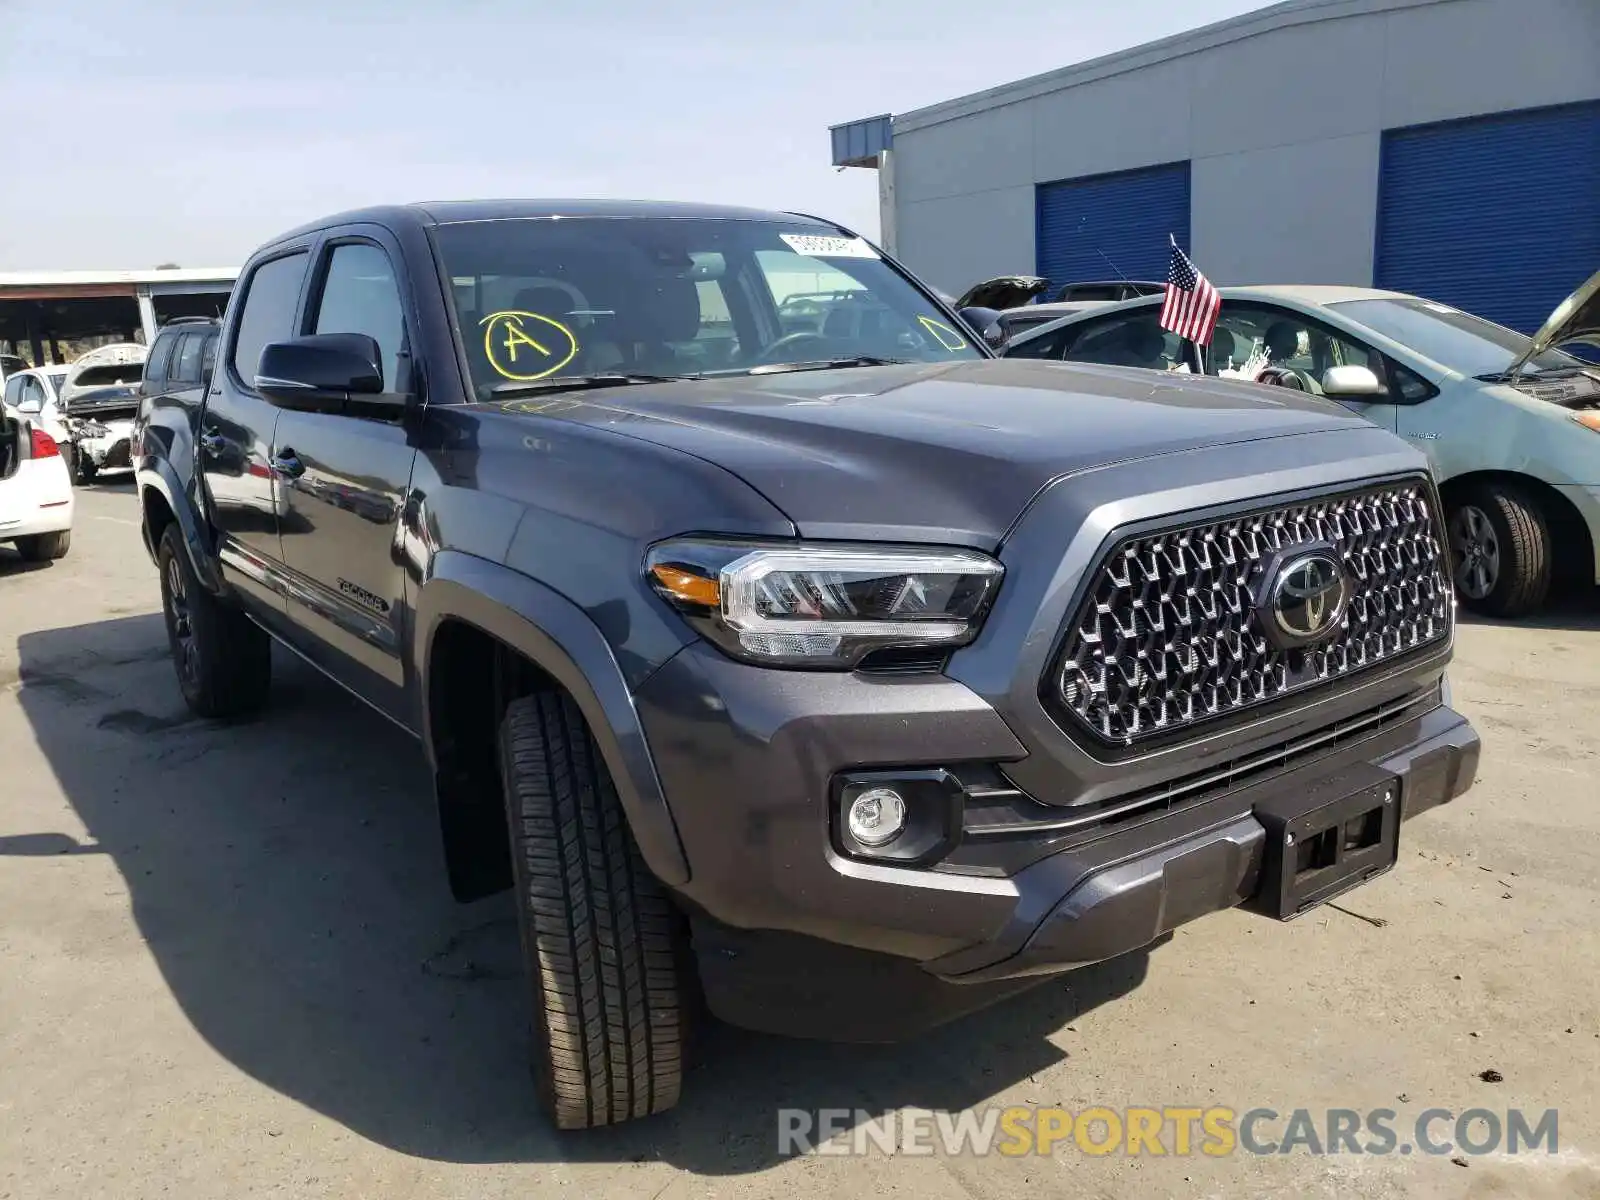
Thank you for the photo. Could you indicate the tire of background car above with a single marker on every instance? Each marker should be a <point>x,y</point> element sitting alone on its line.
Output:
<point>606,951</point>
<point>224,662</point>
<point>83,468</point>
<point>41,547</point>
<point>1506,531</point>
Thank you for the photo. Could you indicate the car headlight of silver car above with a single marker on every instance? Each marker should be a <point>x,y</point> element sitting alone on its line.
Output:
<point>825,606</point>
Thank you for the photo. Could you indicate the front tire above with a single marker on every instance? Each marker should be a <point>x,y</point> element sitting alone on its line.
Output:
<point>604,946</point>
<point>224,662</point>
<point>42,547</point>
<point>1500,551</point>
<point>83,468</point>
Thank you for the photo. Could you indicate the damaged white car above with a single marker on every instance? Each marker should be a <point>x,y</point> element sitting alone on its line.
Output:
<point>98,401</point>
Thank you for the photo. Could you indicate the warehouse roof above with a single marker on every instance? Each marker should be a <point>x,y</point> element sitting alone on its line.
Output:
<point>77,279</point>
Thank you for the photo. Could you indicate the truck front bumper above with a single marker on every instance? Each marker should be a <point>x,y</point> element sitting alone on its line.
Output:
<point>789,928</point>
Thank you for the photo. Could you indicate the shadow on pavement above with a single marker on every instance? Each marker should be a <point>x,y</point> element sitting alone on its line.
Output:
<point>1573,608</point>
<point>285,874</point>
<point>12,563</point>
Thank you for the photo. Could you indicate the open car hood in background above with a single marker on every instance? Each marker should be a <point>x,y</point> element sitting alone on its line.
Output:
<point>1576,320</point>
<point>1002,292</point>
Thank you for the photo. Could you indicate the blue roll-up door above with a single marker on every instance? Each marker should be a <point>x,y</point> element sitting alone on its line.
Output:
<point>1499,216</point>
<point>1111,226</point>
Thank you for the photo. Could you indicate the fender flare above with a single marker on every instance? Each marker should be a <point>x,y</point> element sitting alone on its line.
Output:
<point>552,632</point>
<point>157,475</point>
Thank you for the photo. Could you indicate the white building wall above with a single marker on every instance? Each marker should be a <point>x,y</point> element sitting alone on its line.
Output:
<point>1280,114</point>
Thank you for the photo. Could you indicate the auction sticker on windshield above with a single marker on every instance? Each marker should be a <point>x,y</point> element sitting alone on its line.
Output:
<point>819,246</point>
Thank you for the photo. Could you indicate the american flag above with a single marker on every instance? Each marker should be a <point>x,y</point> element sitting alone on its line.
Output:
<point>1192,303</point>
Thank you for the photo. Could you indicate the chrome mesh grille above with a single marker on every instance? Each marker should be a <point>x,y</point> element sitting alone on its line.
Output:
<point>1168,636</point>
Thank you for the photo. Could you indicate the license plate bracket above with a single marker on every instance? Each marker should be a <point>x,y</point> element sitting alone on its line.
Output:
<point>1349,834</point>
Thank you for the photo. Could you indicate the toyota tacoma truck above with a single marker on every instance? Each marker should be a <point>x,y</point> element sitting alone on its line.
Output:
<point>836,680</point>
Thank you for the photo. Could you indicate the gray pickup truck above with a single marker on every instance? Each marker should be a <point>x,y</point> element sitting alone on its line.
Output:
<point>838,679</point>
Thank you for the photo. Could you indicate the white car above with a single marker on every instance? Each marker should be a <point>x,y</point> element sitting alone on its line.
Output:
<point>35,491</point>
<point>99,399</point>
<point>35,392</point>
<point>1510,423</point>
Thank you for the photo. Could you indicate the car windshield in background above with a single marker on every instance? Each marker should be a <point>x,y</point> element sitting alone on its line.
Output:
<point>1452,338</point>
<point>541,300</point>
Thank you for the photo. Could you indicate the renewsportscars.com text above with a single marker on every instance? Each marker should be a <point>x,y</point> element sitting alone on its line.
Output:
<point>1213,1132</point>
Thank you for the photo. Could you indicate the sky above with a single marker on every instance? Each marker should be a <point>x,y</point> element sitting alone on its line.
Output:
<point>144,132</point>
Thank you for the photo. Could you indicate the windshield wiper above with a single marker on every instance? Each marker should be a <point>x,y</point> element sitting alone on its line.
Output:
<point>576,383</point>
<point>825,364</point>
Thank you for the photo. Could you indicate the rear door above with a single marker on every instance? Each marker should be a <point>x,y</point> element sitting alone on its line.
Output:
<point>344,479</point>
<point>236,429</point>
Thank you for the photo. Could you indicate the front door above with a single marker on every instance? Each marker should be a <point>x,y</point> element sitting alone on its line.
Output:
<point>1256,334</point>
<point>235,436</point>
<point>344,481</point>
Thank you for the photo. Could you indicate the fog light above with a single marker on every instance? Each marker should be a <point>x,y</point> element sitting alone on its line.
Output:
<point>877,816</point>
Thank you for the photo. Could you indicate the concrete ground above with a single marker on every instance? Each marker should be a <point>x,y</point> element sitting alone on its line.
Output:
<point>229,965</point>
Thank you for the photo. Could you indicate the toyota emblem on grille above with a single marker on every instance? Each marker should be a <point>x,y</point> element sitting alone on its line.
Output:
<point>1305,596</point>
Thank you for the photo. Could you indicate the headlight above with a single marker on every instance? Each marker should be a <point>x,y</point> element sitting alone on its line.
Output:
<point>824,606</point>
<point>1589,418</point>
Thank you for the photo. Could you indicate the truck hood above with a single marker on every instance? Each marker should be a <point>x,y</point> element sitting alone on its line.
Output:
<point>1576,320</point>
<point>947,452</point>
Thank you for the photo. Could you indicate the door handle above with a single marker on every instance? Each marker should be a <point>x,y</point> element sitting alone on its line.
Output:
<point>213,443</point>
<point>285,463</point>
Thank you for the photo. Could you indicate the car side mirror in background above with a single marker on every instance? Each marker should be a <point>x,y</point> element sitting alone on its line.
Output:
<point>327,373</point>
<point>31,407</point>
<point>985,323</point>
<point>1351,382</point>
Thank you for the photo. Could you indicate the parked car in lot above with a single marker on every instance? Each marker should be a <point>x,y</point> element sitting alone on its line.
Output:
<point>98,400</point>
<point>36,392</point>
<point>1505,419</point>
<point>849,686</point>
<point>1010,300</point>
<point>35,492</point>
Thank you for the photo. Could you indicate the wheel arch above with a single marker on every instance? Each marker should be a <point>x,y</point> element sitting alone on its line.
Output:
<point>483,635</point>
<point>1573,550</point>
<point>162,501</point>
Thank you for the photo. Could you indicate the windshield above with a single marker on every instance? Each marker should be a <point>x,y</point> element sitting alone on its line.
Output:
<point>543,299</point>
<point>1452,338</point>
<point>57,378</point>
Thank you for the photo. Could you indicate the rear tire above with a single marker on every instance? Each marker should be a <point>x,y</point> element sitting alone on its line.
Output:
<point>605,948</point>
<point>42,547</point>
<point>224,662</point>
<point>1500,551</point>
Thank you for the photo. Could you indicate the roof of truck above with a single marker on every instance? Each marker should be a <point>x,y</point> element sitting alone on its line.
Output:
<point>452,212</point>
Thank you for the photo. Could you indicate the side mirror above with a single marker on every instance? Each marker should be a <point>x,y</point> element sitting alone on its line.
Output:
<point>324,372</point>
<point>985,323</point>
<point>1351,382</point>
<point>29,406</point>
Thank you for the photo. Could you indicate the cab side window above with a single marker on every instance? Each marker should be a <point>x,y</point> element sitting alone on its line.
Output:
<point>271,296</point>
<point>155,365</point>
<point>1288,339</point>
<point>14,390</point>
<point>360,295</point>
<point>1046,345</point>
<point>186,361</point>
<point>1133,339</point>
